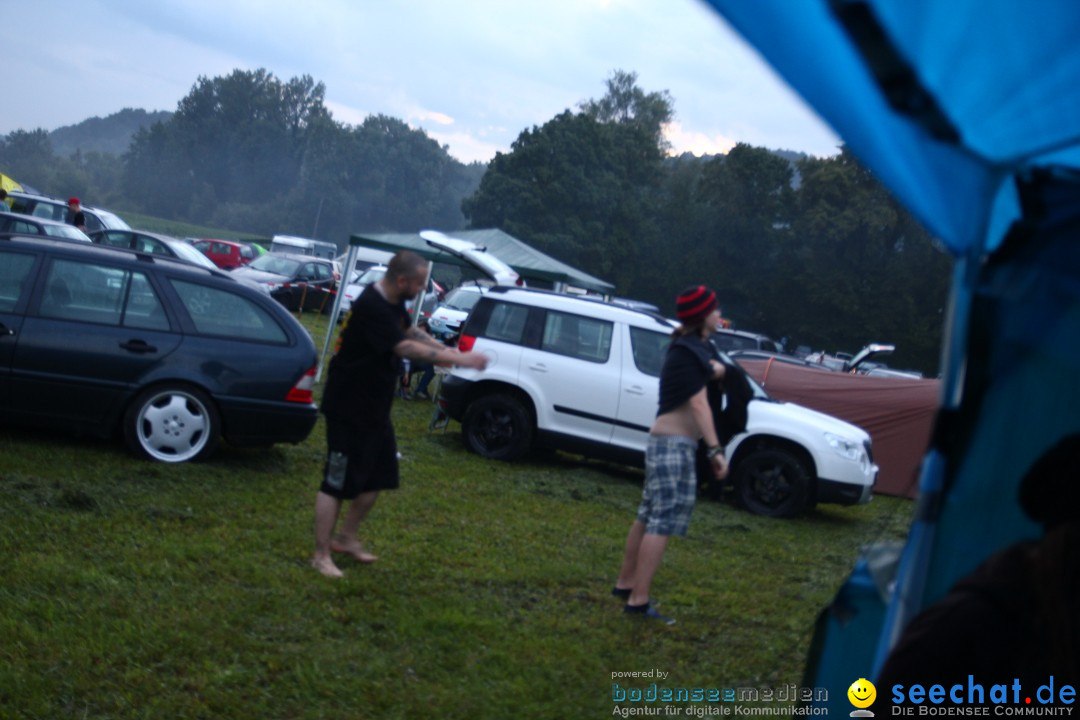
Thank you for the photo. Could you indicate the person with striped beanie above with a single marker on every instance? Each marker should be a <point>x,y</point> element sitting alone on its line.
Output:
<point>682,419</point>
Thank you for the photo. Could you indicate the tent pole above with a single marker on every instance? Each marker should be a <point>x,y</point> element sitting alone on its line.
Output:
<point>346,273</point>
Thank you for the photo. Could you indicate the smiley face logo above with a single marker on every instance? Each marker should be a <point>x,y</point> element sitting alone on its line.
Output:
<point>862,693</point>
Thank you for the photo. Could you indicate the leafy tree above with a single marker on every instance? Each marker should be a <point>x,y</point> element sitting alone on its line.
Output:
<point>627,104</point>
<point>248,148</point>
<point>29,154</point>
<point>582,186</point>
<point>238,138</point>
<point>748,195</point>
<point>866,270</point>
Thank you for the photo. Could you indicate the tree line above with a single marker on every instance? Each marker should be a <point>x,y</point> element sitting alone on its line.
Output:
<point>814,249</point>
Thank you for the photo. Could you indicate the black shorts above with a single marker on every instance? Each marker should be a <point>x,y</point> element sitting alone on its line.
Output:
<point>359,461</point>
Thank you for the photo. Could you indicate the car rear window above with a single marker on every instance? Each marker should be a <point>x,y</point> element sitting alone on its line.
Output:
<point>223,313</point>
<point>507,323</point>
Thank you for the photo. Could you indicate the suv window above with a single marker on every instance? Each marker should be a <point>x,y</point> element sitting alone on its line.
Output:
<point>50,212</point>
<point>507,323</point>
<point>577,336</point>
<point>220,312</point>
<point>648,348</point>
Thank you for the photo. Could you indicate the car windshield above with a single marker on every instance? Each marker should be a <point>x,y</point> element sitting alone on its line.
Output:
<point>189,253</point>
<point>68,232</point>
<point>110,221</point>
<point>276,264</point>
<point>728,341</point>
<point>759,392</point>
<point>462,298</point>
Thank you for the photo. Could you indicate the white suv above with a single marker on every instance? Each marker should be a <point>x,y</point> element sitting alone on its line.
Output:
<point>583,375</point>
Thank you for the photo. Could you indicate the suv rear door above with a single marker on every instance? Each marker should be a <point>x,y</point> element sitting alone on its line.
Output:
<point>573,371</point>
<point>642,359</point>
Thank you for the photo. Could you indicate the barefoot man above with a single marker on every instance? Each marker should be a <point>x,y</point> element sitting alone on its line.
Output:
<point>361,455</point>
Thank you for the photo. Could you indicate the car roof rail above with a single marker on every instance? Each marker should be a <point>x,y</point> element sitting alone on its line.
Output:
<point>503,289</point>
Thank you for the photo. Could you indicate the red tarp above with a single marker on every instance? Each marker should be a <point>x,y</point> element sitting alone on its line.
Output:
<point>898,413</point>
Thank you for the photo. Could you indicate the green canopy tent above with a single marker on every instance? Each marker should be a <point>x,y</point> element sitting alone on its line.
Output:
<point>527,261</point>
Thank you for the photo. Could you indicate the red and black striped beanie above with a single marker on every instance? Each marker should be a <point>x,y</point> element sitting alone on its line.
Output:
<point>694,304</point>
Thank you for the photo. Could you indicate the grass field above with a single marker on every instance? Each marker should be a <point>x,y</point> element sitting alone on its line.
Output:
<point>182,229</point>
<point>140,590</point>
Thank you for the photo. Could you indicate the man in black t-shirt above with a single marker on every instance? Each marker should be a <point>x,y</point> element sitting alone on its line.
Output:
<point>363,374</point>
<point>75,214</point>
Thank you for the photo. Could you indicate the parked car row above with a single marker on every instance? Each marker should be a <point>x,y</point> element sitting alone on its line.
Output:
<point>26,225</point>
<point>226,254</point>
<point>299,282</point>
<point>50,208</point>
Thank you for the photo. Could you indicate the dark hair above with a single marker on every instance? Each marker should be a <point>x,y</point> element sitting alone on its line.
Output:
<point>405,263</point>
<point>694,328</point>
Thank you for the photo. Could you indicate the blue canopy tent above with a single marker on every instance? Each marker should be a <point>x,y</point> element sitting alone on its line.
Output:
<point>969,112</point>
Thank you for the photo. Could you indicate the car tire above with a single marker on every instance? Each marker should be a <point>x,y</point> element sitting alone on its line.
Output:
<point>773,482</point>
<point>498,427</point>
<point>172,423</point>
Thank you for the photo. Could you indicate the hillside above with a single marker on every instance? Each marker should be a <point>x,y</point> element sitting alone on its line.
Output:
<point>110,135</point>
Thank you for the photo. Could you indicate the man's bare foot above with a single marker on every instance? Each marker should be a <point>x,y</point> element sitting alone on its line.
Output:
<point>352,547</point>
<point>327,567</point>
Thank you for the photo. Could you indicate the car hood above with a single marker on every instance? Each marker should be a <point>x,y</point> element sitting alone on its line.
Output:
<point>805,416</point>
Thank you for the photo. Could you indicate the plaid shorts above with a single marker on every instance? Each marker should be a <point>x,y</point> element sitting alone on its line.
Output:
<point>670,485</point>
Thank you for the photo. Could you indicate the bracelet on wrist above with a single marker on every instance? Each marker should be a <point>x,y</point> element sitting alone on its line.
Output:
<point>714,451</point>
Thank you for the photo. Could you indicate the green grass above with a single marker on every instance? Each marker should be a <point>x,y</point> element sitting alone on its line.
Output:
<point>140,590</point>
<point>182,229</point>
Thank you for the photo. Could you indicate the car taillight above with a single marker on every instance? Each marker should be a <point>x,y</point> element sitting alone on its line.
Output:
<point>465,343</point>
<point>302,391</point>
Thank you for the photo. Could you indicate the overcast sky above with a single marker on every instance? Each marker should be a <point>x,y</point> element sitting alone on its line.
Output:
<point>472,73</point>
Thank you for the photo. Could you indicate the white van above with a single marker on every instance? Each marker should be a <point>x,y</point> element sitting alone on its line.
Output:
<point>303,246</point>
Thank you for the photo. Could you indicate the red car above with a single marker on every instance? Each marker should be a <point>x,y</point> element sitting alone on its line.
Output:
<point>226,254</point>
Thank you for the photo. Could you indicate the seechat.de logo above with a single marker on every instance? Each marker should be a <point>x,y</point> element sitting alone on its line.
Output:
<point>861,694</point>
